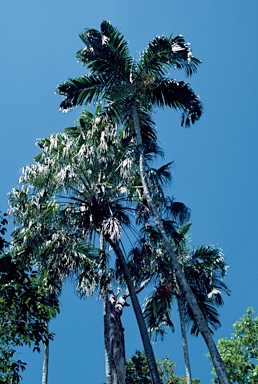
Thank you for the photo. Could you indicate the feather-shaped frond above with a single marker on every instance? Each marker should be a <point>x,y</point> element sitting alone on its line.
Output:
<point>157,310</point>
<point>177,95</point>
<point>182,57</point>
<point>85,89</point>
<point>155,58</point>
<point>205,269</point>
<point>163,53</point>
<point>209,311</point>
<point>106,53</point>
<point>209,258</point>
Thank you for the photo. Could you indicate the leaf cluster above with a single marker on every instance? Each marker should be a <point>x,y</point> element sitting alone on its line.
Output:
<point>204,268</point>
<point>120,81</point>
<point>240,352</point>
<point>25,307</point>
<point>137,371</point>
<point>3,224</point>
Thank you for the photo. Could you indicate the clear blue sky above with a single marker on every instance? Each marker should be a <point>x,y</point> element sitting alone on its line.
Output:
<point>216,161</point>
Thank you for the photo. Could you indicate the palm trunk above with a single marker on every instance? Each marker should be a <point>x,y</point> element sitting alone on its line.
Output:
<point>108,365</point>
<point>114,343</point>
<point>184,341</point>
<point>117,342</point>
<point>138,313</point>
<point>45,360</point>
<point>115,363</point>
<point>183,284</point>
<point>106,315</point>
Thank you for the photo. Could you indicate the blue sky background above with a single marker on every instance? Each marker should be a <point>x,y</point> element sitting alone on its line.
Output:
<point>215,171</point>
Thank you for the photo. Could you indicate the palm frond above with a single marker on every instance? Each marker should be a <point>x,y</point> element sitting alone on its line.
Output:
<point>155,58</point>
<point>142,212</point>
<point>157,310</point>
<point>179,211</point>
<point>211,258</point>
<point>163,53</point>
<point>177,95</point>
<point>138,266</point>
<point>151,232</point>
<point>82,90</point>
<point>147,126</point>
<point>106,53</point>
<point>209,311</point>
<point>88,250</point>
<point>205,269</point>
<point>182,55</point>
<point>161,175</point>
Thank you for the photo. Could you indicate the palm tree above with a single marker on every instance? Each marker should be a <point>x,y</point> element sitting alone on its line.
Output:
<point>78,176</point>
<point>32,245</point>
<point>205,269</point>
<point>130,90</point>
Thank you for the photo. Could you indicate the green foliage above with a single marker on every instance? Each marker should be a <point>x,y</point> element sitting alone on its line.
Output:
<point>3,223</point>
<point>240,352</point>
<point>119,80</point>
<point>204,268</point>
<point>25,307</point>
<point>137,371</point>
<point>9,368</point>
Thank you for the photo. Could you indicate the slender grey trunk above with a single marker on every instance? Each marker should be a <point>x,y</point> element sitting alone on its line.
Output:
<point>45,359</point>
<point>106,315</point>
<point>183,284</point>
<point>138,313</point>
<point>184,341</point>
<point>107,343</point>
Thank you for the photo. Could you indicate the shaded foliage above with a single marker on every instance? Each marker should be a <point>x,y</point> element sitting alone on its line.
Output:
<point>25,306</point>
<point>137,371</point>
<point>3,224</point>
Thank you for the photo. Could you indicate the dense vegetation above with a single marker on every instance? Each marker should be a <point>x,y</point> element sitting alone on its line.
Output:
<point>137,371</point>
<point>240,352</point>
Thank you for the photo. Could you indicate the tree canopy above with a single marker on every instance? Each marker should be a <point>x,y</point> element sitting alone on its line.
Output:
<point>240,352</point>
<point>25,306</point>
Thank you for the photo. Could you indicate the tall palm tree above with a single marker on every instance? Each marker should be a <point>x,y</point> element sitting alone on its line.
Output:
<point>38,246</point>
<point>79,176</point>
<point>205,269</point>
<point>131,89</point>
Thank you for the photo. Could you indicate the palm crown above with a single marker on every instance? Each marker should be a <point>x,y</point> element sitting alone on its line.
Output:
<point>118,79</point>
